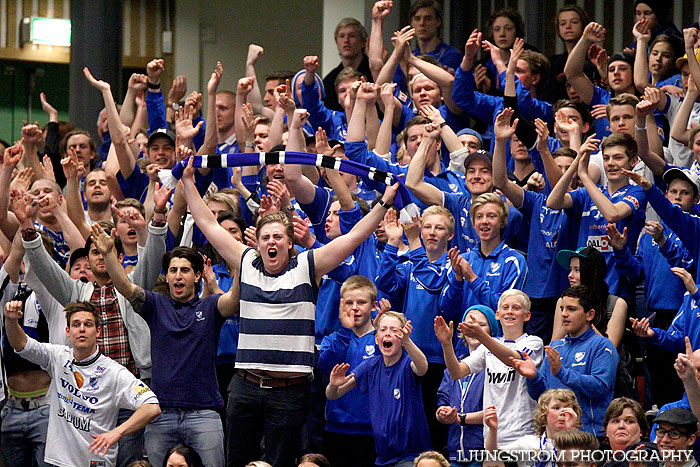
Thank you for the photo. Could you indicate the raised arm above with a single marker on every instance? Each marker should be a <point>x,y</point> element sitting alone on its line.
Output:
<point>448,135</point>
<point>593,32</point>
<point>376,49</point>
<point>383,143</point>
<point>401,40</point>
<point>415,180</point>
<point>690,37</point>
<point>559,198</point>
<point>679,129</point>
<point>31,139</point>
<point>74,172</point>
<point>641,62</point>
<point>137,83</point>
<point>254,97</point>
<point>655,162</point>
<point>229,248</point>
<point>105,245</point>
<point>502,131</point>
<point>442,77</point>
<point>14,332</point>
<point>11,157</point>
<point>117,130</point>
<point>329,256</point>
<point>444,333</point>
<point>210,134</point>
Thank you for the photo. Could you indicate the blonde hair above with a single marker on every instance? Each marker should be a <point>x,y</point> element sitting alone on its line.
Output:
<point>440,211</point>
<point>565,396</point>
<point>524,299</point>
<point>358,282</point>
<point>431,455</point>
<point>391,314</point>
<point>486,198</point>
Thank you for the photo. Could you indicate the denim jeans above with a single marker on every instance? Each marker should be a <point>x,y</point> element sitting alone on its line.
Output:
<point>130,447</point>
<point>277,414</point>
<point>199,429</point>
<point>24,435</point>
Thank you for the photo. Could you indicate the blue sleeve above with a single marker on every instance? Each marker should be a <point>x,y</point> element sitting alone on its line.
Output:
<point>392,277</point>
<point>135,184</point>
<point>675,253</point>
<point>334,350</point>
<point>537,385</point>
<point>251,182</point>
<point>452,293</point>
<point>198,139</point>
<point>319,114</point>
<point>673,340</point>
<point>629,265</point>
<point>155,107</point>
<point>473,103</point>
<point>431,277</point>
<point>600,381</point>
<point>513,278</point>
<point>684,225</point>
<point>357,151</point>
<point>529,107</point>
<point>444,391</point>
<point>348,219</point>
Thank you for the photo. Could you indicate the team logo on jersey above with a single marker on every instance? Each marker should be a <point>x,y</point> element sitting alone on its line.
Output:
<point>632,200</point>
<point>92,384</point>
<point>579,356</point>
<point>200,315</point>
<point>100,369</point>
<point>369,349</point>
<point>98,463</point>
<point>495,267</point>
<point>397,393</point>
<point>141,388</point>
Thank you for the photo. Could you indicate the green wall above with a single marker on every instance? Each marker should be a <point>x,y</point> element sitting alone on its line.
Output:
<point>50,78</point>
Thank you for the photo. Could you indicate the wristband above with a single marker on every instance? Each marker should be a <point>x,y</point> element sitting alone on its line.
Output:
<point>29,234</point>
<point>160,211</point>
<point>640,128</point>
<point>158,222</point>
<point>462,417</point>
<point>150,85</point>
<point>384,204</point>
<point>443,124</point>
<point>175,106</point>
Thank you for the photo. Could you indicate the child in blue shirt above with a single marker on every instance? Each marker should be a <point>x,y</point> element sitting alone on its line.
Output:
<point>348,437</point>
<point>393,384</point>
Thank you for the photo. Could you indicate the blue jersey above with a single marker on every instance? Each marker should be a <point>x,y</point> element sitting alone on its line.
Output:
<point>419,282</point>
<point>449,57</point>
<point>592,230</point>
<point>503,269</point>
<point>395,403</point>
<point>349,414</point>
<point>466,238</point>
<point>333,122</point>
<point>318,211</point>
<point>600,125</point>
<point>549,233</point>
<point>662,288</point>
<point>588,367</point>
<point>228,337</point>
<point>467,394</point>
<point>552,145</point>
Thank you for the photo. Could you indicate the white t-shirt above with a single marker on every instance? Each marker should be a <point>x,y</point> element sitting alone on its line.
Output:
<point>682,156</point>
<point>84,406</point>
<point>506,389</point>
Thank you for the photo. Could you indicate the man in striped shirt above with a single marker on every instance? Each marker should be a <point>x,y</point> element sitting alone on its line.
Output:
<point>269,394</point>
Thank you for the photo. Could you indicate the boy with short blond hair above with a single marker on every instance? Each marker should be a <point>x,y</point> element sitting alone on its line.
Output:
<point>393,384</point>
<point>504,388</point>
<point>348,437</point>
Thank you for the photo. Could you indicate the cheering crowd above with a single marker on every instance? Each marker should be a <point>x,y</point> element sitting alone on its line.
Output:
<point>425,256</point>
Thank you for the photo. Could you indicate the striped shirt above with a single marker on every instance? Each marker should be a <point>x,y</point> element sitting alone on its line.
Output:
<point>277,315</point>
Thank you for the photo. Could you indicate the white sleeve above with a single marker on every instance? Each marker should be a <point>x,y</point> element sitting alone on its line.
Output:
<point>38,352</point>
<point>534,347</point>
<point>131,392</point>
<point>476,361</point>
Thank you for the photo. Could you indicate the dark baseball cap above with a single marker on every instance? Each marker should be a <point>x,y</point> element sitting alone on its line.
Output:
<point>678,416</point>
<point>161,132</point>
<point>478,155</point>
<point>78,253</point>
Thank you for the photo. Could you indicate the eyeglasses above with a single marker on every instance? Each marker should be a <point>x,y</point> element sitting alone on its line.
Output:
<point>673,434</point>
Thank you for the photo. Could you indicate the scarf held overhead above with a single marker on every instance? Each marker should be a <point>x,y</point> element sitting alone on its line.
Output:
<point>402,201</point>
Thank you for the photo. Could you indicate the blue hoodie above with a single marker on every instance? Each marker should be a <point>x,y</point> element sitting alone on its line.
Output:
<point>350,413</point>
<point>684,324</point>
<point>503,269</point>
<point>420,283</point>
<point>334,123</point>
<point>588,367</point>
<point>662,288</point>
